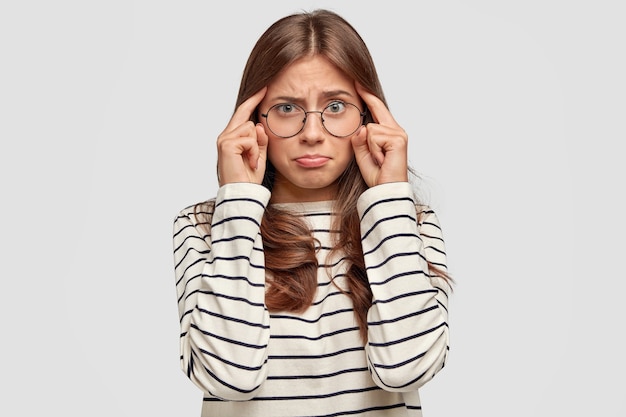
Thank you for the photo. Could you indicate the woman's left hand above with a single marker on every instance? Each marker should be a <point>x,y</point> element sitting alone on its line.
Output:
<point>380,148</point>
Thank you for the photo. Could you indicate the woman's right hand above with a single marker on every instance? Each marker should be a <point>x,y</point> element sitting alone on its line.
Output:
<point>242,146</point>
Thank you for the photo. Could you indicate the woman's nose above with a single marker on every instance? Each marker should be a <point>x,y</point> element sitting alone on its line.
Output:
<point>313,130</point>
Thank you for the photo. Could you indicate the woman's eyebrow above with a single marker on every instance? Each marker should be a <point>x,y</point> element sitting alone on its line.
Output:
<point>334,93</point>
<point>288,99</point>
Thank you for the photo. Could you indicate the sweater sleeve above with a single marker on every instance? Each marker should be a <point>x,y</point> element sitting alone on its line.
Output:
<point>407,322</point>
<point>220,285</point>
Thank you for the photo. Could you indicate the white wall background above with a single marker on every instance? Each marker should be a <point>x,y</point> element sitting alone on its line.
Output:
<point>108,115</point>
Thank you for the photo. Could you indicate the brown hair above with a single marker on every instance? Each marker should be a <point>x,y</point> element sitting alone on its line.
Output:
<point>289,247</point>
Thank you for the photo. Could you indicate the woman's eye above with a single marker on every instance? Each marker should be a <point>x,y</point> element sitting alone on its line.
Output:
<point>336,107</point>
<point>285,108</point>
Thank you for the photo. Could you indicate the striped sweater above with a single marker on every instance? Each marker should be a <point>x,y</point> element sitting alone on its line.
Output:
<point>250,362</point>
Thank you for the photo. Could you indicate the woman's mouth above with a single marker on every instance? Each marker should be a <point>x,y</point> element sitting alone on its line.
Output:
<point>312,161</point>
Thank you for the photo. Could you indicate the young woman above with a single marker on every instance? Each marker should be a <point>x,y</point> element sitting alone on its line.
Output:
<point>313,284</point>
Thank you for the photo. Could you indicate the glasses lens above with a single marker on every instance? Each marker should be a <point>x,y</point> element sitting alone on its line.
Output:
<point>341,119</point>
<point>285,120</point>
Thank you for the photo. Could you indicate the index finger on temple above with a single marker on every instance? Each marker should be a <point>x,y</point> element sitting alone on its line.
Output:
<point>379,111</point>
<point>245,109</point>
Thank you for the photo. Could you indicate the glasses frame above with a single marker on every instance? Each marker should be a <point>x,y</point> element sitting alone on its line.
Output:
<point>362,114</point>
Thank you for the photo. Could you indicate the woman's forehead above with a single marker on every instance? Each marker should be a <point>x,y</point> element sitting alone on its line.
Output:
<point>311,77</point>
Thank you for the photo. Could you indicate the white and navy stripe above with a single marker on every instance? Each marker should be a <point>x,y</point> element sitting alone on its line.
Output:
<point>249,362</point>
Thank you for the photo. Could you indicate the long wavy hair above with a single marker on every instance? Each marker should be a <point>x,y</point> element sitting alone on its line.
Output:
<point>289,247</point>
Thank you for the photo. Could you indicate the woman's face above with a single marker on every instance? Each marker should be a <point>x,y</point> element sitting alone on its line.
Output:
<point>309,163</point>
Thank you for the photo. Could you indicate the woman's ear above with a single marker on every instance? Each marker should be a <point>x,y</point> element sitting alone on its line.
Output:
<point>254,117</point>
<point>368,115</point>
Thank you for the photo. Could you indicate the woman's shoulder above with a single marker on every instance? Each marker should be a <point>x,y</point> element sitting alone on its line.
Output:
<point>424,209</point>
<point>426,214</point>
<point>199,212</point>
<point>428,224</point>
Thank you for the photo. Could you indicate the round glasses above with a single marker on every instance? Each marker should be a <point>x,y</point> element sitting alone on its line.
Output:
<point>338,118</point>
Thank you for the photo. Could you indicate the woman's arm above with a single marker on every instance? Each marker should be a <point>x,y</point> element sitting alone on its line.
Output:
<point>220,285</point>
<point>407,323</point>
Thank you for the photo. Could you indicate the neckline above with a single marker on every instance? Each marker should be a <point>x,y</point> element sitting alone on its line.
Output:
<point>324,206</point>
